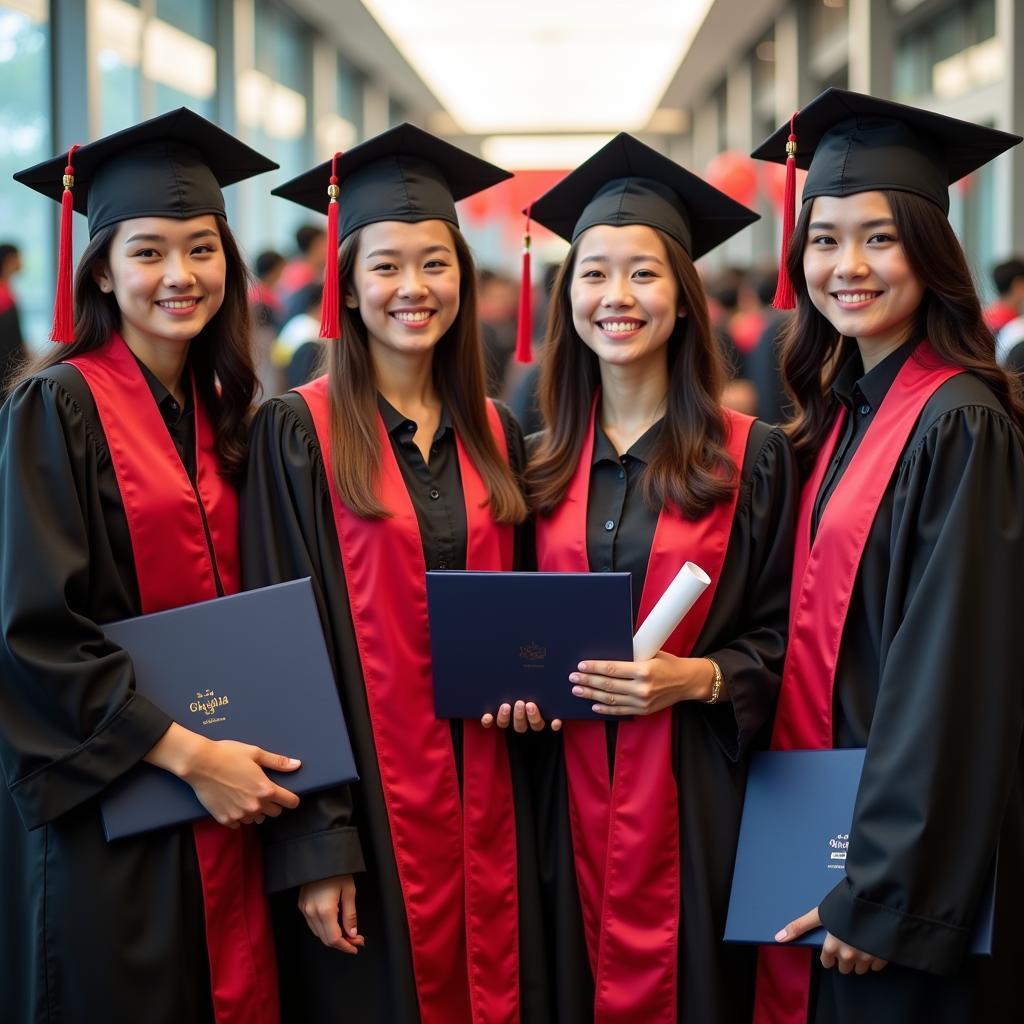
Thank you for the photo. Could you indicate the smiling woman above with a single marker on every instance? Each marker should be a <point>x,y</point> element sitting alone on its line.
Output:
<point>391,464</point>
<point>909,548</point>
<point>137,418</point>
<point>639,469</point>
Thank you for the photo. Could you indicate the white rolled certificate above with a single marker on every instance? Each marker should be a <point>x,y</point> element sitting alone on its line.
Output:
<point>681,595</point>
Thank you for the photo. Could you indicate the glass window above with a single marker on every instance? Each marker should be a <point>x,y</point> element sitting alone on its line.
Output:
<point>118,55</point>
<point>350,95</point>
<point>179,56</point>
<point>951,53</point>
<point>396,112</point>
<point>154,58</point>
<point>973,216</point>
<point>28,219</point>
<point>274,112</point>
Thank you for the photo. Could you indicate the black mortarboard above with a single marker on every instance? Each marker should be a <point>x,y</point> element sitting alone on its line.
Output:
<point>173,165</point>
<point>403,174</point>
<point>169,166</point>
<point>849,142</point>
<point>626,182</point>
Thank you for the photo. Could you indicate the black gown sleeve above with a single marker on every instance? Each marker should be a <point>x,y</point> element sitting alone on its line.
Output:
<point>762,541</point>
<point>948,717</point>
<point>70,719</point>
<point>287,534</point>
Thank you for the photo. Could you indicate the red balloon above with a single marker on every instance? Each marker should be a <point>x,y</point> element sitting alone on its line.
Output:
<point>773,183</point>
<point>734,174</point>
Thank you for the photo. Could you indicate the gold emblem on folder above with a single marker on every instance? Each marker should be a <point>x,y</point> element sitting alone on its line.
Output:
<point>532,654</point>
<point>209,704</point>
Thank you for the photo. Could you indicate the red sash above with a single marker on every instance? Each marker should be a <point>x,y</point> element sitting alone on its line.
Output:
<point>824,574</point>
<point>626,832</point>
<point>175,566</point>
<point>456,858</point>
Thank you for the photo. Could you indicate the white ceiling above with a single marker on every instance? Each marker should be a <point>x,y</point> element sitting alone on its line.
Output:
<point>544,65</point>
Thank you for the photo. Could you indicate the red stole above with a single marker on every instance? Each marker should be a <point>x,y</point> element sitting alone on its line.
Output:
<point>456,858</point>
<point>626,830</point>
<point>6,297</point>
<point>175,566</point>
<point>824,574</point>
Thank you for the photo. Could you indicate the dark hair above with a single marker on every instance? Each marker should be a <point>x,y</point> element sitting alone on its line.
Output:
<point>949,317</point>
<point>307,235</point>
<point>7,250</point>
<point>1004,274</point>
<point>691,469</point>
<point>219,356</point>
<point>267,262</point>
<point>458,377</point>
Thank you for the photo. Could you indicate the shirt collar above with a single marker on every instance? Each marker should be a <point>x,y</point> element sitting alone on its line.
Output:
<point>166,402</point>
<point>642,449</point>
<point>395,423</point>
<point>852,383</point>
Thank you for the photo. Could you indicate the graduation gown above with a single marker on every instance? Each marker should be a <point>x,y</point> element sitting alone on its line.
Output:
<point>928,678</point>
<point>289,531</point>
<point>745,632</point>
<point>88,930</point>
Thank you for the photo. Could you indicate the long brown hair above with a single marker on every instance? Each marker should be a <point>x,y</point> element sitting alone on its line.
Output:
<point>219,356</point>
<point>690,469</point>
<point>458,375</point>
<point>949,317</point>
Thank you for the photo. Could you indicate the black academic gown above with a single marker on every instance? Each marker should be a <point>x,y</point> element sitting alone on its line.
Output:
<point>745,632</point>
<point>89,931</point>
<point>288,531</point>
<point>930,679</point>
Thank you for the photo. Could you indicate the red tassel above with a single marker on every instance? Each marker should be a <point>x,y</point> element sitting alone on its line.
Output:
<point>330,314</point>
<point>524,329</point>
<point>63,329</point>
<point>785,297</point>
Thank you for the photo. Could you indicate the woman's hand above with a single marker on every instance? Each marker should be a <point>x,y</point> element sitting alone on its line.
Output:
<point>525,715</point>
<point>227,776</point>
<point>323,903</point>
<point>835,952</point>
<point>642,687</point>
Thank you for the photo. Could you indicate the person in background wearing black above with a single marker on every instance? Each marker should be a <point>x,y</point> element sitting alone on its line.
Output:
<point>762,362</point>
<point>12,345</point>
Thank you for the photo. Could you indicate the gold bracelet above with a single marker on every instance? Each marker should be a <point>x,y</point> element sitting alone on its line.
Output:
<point>716,686</point>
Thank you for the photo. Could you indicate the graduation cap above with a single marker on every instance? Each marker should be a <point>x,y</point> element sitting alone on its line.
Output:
<point>850,142</point>
<point>403,174</point>
<point>627,182</point>
<point>173,165</point>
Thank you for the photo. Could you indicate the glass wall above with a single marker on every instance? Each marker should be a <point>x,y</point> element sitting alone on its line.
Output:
<point>950,53</point>
<point>274,116</point>
<point>27,219</point>
<point>152,56</point>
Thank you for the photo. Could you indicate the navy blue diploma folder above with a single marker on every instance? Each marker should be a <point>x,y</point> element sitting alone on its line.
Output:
<point>251,667</point>
<point>794,838</point>
<point>497,637</point>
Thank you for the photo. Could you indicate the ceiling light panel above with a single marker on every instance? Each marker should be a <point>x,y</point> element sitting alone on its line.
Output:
<point>544,65</point>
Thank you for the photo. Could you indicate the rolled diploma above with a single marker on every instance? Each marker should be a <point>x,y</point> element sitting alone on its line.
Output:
<point>681,595</point>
